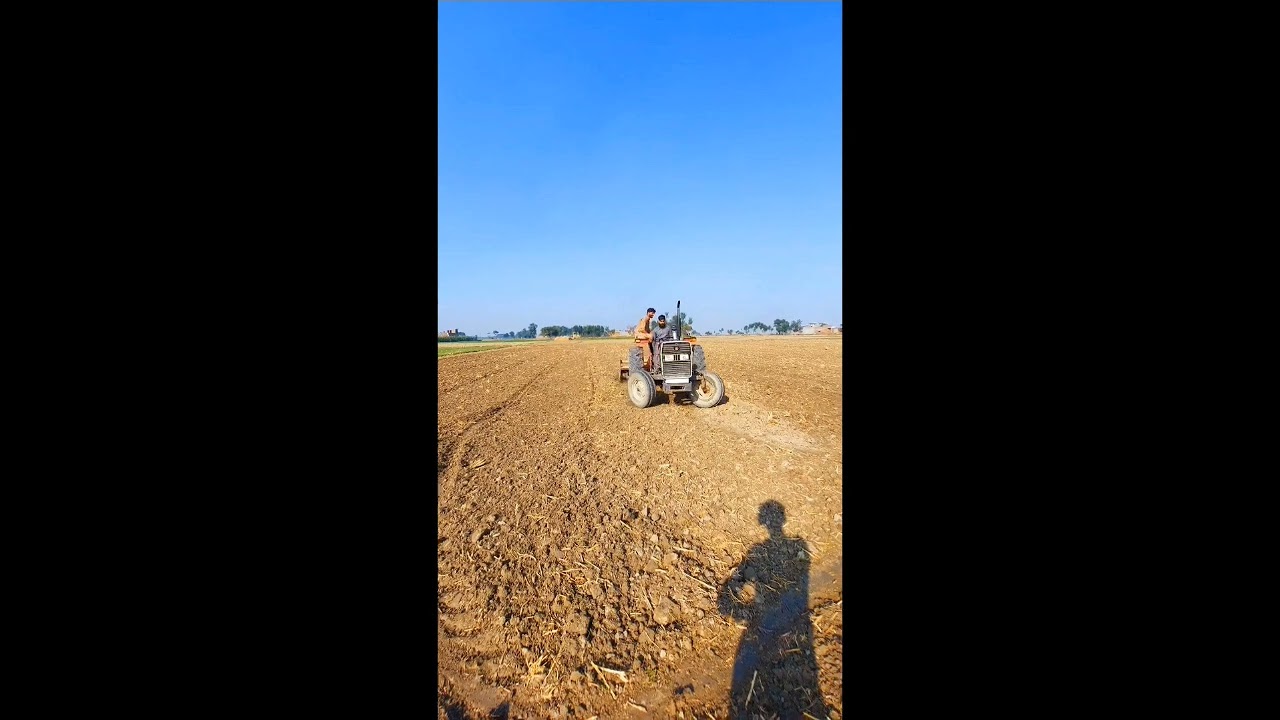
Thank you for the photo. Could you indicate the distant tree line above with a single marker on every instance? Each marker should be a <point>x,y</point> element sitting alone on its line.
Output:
<point>779,326</point>
<point>549,331</point>
<point>528,333</point>
<point>553,331</point>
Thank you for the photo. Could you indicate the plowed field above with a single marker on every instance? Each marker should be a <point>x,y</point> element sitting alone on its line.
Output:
<point>596,559</point>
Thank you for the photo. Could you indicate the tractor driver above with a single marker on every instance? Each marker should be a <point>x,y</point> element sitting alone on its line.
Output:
<point>644,337</point>
<point>663,331</point>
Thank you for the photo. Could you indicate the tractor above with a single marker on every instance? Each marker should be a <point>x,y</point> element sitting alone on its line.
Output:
<point>679,366</point>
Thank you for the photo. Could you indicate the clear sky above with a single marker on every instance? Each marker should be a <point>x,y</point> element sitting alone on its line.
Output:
<point>599,158</point>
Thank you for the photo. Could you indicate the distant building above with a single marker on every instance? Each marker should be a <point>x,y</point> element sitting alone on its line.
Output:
<point>449,333</point>
<point>817,328</point>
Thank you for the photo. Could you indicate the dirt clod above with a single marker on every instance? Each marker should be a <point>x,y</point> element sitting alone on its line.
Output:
<point>577,624</point>
<point>663,612</point>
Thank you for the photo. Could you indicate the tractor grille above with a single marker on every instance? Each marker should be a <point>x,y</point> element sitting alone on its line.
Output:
<point>677,367</point>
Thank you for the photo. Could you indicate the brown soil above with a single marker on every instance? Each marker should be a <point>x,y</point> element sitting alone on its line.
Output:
<point>600,560</point>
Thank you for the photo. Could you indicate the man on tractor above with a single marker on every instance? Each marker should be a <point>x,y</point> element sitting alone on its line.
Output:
<point>644,337</point>
<point>662,332</point>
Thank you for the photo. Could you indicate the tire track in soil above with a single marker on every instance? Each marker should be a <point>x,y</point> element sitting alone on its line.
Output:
<point>449,445</point>
<point>558,457</point>
<point>455,449</point>
<point>597,533</point>
<point>572,457</point>
<point>461,364</point>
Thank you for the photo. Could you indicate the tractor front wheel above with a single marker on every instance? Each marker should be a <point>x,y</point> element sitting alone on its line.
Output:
<point>640,389</point>
<point>708,391</point>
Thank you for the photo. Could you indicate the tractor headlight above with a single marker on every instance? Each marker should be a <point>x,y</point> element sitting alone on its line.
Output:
<point>684,356</point>
<point>669,358</point>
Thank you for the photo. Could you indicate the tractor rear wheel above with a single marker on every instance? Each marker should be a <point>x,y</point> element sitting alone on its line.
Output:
<point>640,389</point>
<point>708,391</point>
<point>635,361</point>
<point>699,358</point>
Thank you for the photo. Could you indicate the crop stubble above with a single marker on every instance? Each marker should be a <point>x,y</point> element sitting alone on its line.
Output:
<point>585,545</point>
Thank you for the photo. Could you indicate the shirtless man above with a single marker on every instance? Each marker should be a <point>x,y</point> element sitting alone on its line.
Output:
<point>643,336</point>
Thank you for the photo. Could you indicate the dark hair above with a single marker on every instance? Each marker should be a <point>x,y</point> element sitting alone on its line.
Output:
<point>662,317</point>
<point>650,310</point>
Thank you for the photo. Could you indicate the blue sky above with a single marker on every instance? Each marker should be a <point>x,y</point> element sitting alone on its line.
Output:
<point>596,159</point>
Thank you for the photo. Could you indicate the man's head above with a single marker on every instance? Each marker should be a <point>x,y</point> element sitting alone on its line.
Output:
<point>772,515</point>
<point>650,313</point>
<point>662,321</point>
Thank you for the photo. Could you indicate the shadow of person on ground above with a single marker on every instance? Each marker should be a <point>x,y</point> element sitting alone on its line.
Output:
<point>775,671</point>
